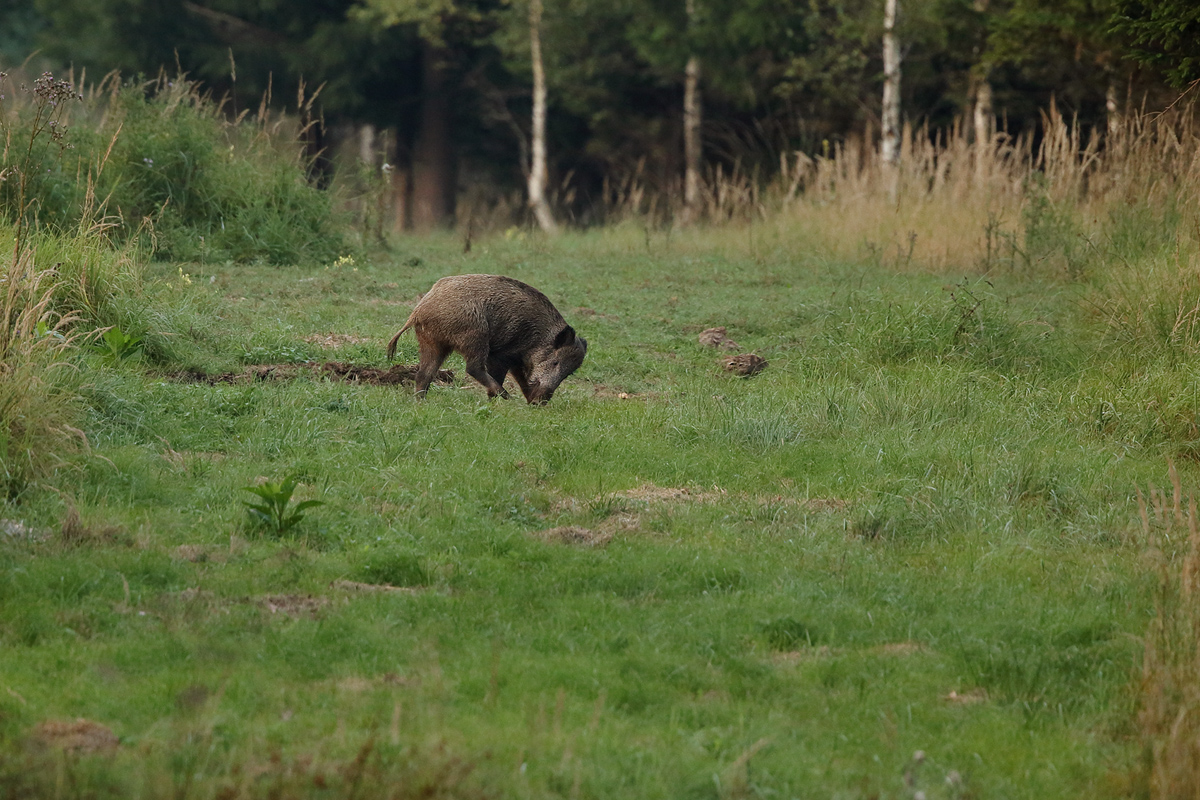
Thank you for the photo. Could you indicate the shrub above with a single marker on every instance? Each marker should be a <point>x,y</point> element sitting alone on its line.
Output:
<point>166,161</point>
<point>214,190</point>
<point>38,402</point>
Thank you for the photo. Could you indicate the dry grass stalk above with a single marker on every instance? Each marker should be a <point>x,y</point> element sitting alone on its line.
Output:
<point>1170,688</point>
<point>36,408</point>
<point>960,203</point>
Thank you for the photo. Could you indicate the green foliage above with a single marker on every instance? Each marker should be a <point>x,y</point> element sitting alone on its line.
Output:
<point>272,513</point>
<point>167,163</point>
<point>214,191</point>
<point>1052,237</point>
<point>1165,34</point>
<point>117,346</point>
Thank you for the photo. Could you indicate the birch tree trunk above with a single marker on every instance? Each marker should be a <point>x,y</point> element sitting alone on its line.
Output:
<point>985,121</point>
<point>1112,106</point>
<point>692,118</point>
<point>890,147</point>
<point>984,115</point>
<point>537,166</point>
<point>691,140</point>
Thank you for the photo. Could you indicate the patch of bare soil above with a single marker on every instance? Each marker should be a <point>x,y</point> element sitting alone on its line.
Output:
<point>75,533</point>
<point>744,365</point>
<point>574,534</point>
<point>606,392</point>
<point>715,337</point>
<point>649,493</point>
<point>195,553</point>
<point>80,736</point>
<point>335,341</point>
<point>292,605</point>
<point>967,698</point>
<point>374,588</point>
<point>398,375</point>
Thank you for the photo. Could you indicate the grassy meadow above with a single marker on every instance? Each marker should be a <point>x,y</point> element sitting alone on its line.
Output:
<point>943,546</point>
<point>906,558</point>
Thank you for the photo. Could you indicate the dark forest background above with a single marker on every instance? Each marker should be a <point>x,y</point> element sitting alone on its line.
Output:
<point>440,89</point>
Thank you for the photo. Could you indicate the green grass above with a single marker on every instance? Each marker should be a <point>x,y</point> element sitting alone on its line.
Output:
<point>928,491</point>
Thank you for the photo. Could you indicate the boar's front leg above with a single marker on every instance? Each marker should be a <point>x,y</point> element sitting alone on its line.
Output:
<point>522,379</point>
<point>498,370</point>
<point>478,367</point>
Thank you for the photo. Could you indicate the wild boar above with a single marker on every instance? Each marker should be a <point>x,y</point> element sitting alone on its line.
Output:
<point>498,325</point>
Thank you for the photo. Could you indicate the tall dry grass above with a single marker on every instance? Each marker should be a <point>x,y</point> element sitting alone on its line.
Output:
<point>1055,203</point>
<point>38,399</point>
<point>1169,713</point>
<point>1059,202</point>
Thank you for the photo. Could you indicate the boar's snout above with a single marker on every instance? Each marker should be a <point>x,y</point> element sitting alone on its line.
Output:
<point>564,359</point>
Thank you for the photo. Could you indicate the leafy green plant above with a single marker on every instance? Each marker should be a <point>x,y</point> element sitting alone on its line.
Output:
<point>273,512</point>
<point>116,346</point>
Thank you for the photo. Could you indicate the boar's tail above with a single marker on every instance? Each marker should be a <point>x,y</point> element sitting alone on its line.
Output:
<point>391,349</point>
<point>391,344</point>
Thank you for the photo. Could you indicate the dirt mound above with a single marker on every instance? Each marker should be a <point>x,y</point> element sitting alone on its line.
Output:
<point>715,337</point>
<point>745,365</point>
<point>573,534</point>
<point>78,736</point>
<point>398,375</point>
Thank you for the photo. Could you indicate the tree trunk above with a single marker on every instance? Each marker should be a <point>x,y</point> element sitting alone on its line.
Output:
<point>433,154</point>
<point>984,115</point>
<point>691,140</point>
<point>1112,106</point>
<point>366,144</point>
<point>692,118</point>
<point>890,149</point>
<point>537,166</point>
<point>985,122</point>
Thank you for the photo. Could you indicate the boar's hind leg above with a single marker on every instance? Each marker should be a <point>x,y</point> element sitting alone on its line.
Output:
<point>478,368</point>
<point>432,357</point>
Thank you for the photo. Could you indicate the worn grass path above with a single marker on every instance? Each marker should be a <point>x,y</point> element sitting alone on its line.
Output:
<point>913,532</point>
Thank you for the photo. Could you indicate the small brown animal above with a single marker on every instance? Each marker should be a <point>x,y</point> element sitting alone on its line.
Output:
<point>498,325</point>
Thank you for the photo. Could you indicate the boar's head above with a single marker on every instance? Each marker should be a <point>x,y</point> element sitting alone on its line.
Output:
<point>555,364</point>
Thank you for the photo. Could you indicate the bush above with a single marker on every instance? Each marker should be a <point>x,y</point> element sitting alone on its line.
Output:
<point>38,401</point>
<point>165,160</point>
<point>213,190</point>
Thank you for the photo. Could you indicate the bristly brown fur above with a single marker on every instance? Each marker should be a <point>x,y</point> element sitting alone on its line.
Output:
<point>500,326</point>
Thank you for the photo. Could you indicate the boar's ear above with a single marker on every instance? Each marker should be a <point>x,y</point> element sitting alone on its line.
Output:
<point>565,338</point>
